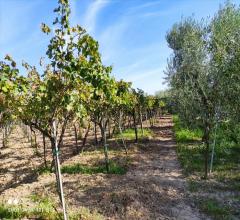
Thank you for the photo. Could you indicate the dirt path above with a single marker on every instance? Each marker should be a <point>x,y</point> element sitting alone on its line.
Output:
<point>159,177</point>
<point>153,188</point>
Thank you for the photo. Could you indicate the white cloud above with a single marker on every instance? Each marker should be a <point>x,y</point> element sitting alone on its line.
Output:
<point>139,76</point>
<point>111,44</point>
<point>131,68</point>
<point>91,14</point>
<point>141,65</point>
<point>150,80</point>
<point>143,6</point>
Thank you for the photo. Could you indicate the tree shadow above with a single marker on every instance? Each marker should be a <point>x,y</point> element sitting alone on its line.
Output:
<point>20,175</point>
<point>151,189</point>
<point>128,197</point>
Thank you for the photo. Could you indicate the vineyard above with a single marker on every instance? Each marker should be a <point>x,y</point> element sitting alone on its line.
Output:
<point>76,143</point>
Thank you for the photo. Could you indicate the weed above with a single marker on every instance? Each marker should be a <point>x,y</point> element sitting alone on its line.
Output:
<point>191,158</point>
<point>214,209</point>
<point>45,212</point>
<point>114,168</point>
<point>44,170</point>
<point>7,212</point>
<point>193,186</point>
<point>130,134</point>
<point>184,134</point>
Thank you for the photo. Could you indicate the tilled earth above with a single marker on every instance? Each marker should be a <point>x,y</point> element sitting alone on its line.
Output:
<point>153,187</point>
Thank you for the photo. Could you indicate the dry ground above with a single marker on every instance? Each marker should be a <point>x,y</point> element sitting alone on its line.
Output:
<point>153,187</point>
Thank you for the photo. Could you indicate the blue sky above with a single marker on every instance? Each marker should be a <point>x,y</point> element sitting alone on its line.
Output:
<point>131,33</point>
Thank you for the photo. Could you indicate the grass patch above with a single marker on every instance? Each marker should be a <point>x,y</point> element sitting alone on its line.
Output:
<point>190,152</point>
<point>183,134</point>
<point>44,170</point>
<point>19,212</point>
<point>99,151</point>
<point>130,134</point>
<point>44,209</point>
<point>226,168</point>
<point>186,135</point>
<point>191,158</point>
<point>7,212</point>
<point>214,209</point>
<point>193,186</point>
<point>114,168</point>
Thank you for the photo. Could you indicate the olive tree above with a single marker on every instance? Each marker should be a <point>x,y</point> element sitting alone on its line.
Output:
<point>189,76</point>
<point>203,71</point>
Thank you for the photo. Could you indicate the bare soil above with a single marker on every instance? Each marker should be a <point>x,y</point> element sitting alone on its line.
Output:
<point>153,188</point>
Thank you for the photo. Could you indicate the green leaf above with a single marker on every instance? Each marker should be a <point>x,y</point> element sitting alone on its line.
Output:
<point>4,89</point>
<point>42,88</point>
